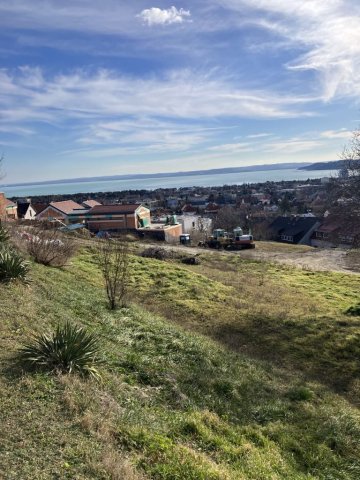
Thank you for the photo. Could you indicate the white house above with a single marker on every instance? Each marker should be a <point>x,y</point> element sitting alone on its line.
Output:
<point>195,223</point>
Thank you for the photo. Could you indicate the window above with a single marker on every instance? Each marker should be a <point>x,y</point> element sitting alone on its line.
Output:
<point>287,238</point>
<point>346,239</point>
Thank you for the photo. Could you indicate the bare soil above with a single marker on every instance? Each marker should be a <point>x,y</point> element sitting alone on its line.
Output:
<point>335,260</point>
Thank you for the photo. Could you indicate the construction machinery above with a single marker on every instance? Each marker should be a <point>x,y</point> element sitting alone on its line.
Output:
<point>236,240</point>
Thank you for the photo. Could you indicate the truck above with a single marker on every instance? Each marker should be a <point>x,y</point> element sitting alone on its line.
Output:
<point>236,240</point>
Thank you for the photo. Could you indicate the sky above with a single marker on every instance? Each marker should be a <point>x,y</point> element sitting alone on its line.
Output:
<point>90,88</point>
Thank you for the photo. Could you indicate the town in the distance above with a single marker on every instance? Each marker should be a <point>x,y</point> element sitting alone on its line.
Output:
<point>310,212</point>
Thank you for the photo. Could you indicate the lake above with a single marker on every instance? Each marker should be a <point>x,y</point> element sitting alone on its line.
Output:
<point>210,180</point>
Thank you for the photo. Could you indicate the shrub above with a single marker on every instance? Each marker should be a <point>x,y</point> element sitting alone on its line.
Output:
<point>113,258</point>
<point>157,253</point>
<point>12,266</point>
<point>191,260</point>
<point>354,310</point>
<point>70,349</point>
<point>49,247</point>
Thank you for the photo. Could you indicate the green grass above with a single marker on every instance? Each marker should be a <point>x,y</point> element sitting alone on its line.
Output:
<point>175,404</point>
<point>285,315</point>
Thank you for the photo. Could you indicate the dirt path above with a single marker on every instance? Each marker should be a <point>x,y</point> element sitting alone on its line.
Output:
<point>317,259</point>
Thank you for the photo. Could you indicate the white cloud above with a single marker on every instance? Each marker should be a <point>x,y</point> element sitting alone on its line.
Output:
<point>259,135</point>
<point>178,94</point>
<point>292,145</point>
<point>326,31</point>
<point>157,16</point>
<point>232,148</point>
<point>342,133</point>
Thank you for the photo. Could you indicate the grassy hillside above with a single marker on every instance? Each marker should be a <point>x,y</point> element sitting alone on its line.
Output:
<point>214,394</point>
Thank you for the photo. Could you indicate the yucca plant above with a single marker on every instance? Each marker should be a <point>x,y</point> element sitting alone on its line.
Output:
<point>4,235</point>
<point>13,266</point>
<point>70,349</point>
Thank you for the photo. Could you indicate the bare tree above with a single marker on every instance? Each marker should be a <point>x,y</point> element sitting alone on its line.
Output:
<point>113,258</point>
<point>350,173</point>
<point>345,189</point>
<point>228,218</point>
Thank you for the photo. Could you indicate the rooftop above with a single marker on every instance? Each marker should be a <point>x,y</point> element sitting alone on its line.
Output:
<point>113,209</point>
<point>67,206</point>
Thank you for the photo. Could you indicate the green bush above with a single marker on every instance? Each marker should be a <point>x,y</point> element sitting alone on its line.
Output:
<point>12,266</point>
<point>70,349</point>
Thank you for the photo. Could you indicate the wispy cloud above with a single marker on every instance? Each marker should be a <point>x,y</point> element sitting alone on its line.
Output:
<point>232,148</point>
<point>177,94</point>
<point>327,32</point>
<point>157,16</point>
<point>334,134</point>
<point>259,135</point>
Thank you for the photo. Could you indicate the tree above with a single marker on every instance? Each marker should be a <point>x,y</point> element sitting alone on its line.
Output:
<point>344,191</point>
<point>113,258</point>
<point>228,218</point>
<point>350,174</point>
<point>284,205</point>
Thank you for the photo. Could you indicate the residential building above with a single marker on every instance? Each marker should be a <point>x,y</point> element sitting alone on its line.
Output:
<point>25,210</point>
<point>336,232</point>
<point>134,218</point>
<point>8,209</point>
<point>295,230</point>
<point>195,223</point>
<point>59,211</point>
<point>117,218</point>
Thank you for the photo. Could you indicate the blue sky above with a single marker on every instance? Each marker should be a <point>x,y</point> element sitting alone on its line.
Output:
<point>114,87</point>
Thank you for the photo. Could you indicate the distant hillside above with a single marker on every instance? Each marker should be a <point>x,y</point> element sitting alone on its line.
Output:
<point>133,176</point>
<point>332,165</point>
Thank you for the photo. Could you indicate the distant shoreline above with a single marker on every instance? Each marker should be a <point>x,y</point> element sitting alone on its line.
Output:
<point>139,176</point>
<point>175,181</point>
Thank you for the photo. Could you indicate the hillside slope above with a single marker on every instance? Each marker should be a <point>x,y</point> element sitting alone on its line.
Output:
<point>174,404</point>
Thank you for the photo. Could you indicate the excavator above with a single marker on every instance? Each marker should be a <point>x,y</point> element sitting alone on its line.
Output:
<point>221,239</point>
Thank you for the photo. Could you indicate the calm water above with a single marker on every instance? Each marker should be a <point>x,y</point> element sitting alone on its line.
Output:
<point>166,182</point>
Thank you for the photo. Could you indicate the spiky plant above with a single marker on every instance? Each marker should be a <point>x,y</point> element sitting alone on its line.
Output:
<point>69,349</point>
<point>4,235</point>
<point>12,266</point>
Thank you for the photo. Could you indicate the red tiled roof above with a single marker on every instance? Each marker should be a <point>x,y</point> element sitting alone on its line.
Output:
<point>91,203</point>
<point>66,206</point>
<point>112,209</point>
<point>9,203</point>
